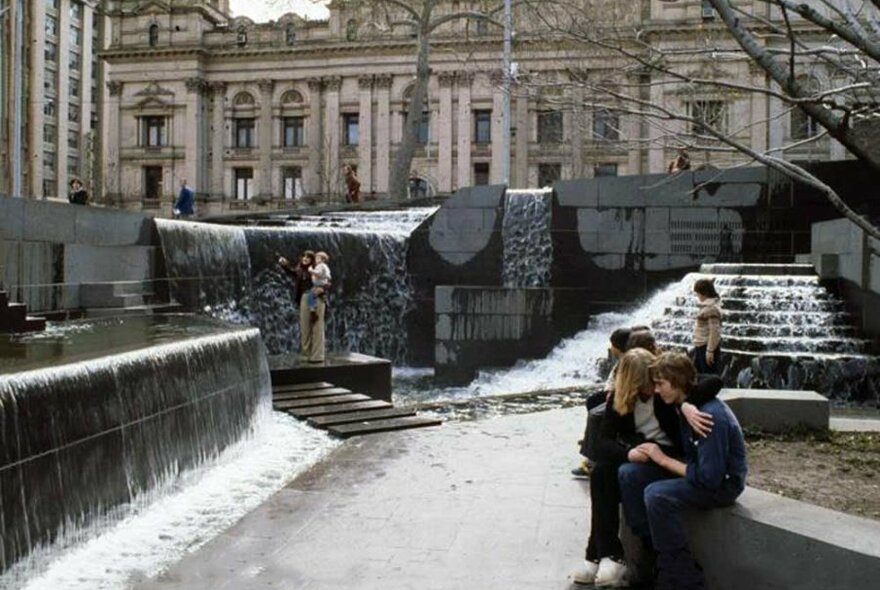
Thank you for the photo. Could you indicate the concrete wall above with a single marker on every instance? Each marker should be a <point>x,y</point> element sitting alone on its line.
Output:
<point>769,542</point>
<point>48,249</point>
<point>495,327</point>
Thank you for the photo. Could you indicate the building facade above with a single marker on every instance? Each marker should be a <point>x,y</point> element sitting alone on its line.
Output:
<point>59,74</point>
<point>257,116</point>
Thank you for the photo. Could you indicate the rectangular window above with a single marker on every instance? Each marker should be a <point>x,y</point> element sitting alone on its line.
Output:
<point>73,89</point>
<point>73,140</point>
<point>607,169</point>
<point>72,166</point>
<point>51,4</point>
<point>482,126</point>
<point>75,10</point>
<point>73,115</point>
<point>550,127</point>
<point>481,174</point>
<point>548,174</point>
<point>51,52</point>
<point>350,129</point>
<point>154,132</point>
<point>153,182</point>
<point>49,107</point>
<point>48,188</point>
<point>244,132</point>
<point>75,36</point>
<point>49,84</point>
<point>706,114</point>
<point>49,133</point>
<point>51,25</point>
<point>244,178</point>
<point>49,161</point>
<point>74,61</point>
<point>424,130</point>
<point>606,126</point>
<point>707,10</point>
<point>294,132</point>
<point>291,179</point>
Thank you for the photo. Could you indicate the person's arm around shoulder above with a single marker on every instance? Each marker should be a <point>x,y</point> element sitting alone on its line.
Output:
<point>710,466</point>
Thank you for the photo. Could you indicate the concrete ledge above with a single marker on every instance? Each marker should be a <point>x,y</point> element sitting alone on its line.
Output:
<point>775,410</point>
<point>770,542</point>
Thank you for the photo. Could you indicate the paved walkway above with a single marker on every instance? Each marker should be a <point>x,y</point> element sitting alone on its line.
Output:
<point>471,505</point>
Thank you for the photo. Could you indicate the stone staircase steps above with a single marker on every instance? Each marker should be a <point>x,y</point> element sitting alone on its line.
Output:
<point>758,269</point>
<point>14,317</point>
<point>373,426</point>
<point>754,330</point>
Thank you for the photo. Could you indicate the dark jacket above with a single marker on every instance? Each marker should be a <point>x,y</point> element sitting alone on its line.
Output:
<point>185,200</point>
<point>302,280</point>
<point>717,462</point>
<point>619,433</point>
<point>80,197</point>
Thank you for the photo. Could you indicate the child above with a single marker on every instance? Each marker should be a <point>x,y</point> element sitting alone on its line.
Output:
<point>707,328</point>
<point>320,279</point>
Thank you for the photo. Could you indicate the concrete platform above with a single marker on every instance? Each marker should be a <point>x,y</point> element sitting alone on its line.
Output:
<point>358,372</point>
<point>483,505</point>
<point>776,410</point>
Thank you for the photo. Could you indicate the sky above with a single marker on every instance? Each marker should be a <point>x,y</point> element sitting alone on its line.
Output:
<point>264,10</point>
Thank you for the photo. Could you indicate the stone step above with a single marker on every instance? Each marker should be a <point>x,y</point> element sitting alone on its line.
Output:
<point>776,344</point>
<point>334,419</point>
<point>310,394</point>
<point>34,324</point>
<point>301,386</point>
<point>815,318</point>
<point>62,315</point>
<point>338,408</point>
<point>766,281</point>
<point>752,330</point>
<point>374,426</point>
<point>799,355</point>
<point>4,300</point>
<point>293,404</point>
<point>758,269</point>
<point>12,317</point>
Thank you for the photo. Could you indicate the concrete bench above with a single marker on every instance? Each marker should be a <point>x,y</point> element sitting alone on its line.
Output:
<point>775,410</point>
<point>768,542</point>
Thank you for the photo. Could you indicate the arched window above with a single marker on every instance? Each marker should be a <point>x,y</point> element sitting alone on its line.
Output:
<point>154,35</point>
<point>351,30</point>
<point>291,97</point>
<point>241,37</point>
<point>290,35</point>
<point>243,99</point>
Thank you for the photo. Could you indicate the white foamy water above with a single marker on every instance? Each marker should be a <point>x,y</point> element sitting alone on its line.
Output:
<point>160,529</point>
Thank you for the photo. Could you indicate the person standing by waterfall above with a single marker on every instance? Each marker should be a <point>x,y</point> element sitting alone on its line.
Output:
<point>311,325</point>
<point>707,327</point>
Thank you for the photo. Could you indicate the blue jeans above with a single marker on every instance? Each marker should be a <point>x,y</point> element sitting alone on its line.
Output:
<point>654,502</point>
<point>312,299</point>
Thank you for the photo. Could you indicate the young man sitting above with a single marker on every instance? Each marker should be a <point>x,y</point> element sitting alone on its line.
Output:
<point>657,490</point>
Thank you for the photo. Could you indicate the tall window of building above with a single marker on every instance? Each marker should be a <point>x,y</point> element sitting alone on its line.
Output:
<point>708,113</point>
<point>154,35</point>
<point>50,85</point>
<point>51,4</point>
<point>290,35</point>
<point>73,115</point>
<point>291,180</point>
<point>351,30</point>
<point>550,128</point>
<point>49,107</point>
<point>294,132</point>
<point>607,169</point>
<point>241,37</point>
<point>707,10</point>
<point>49,161</point>
<point>606,125</point>
<point>244,178</point>
<point>153,182</point>
<point>75,36</point>
<point>74,61</point>
<point>51,25</point>
<point>72,166</point>
<point>75,10</point>
<point>350,129</point>
<point>49,134</point>
<point>481,173</point>
<point>73,89</point>
<point>153,129</point>
<point>245,132</point>
<point>482,126</point>
<point>73,139</point>
<point>549,174</point>
<point>51,52</point>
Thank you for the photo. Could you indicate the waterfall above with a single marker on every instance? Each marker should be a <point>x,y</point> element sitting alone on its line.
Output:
<point>528,248</point>
<point>81,439</point>
<point>371,292</point>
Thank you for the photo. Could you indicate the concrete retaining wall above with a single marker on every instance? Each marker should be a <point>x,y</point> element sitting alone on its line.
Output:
<point>768,542</point>
<point>48,249</point>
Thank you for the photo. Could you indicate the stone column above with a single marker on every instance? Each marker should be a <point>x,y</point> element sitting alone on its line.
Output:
<point>759,110</point>
<point>365,145</point>
<point>265,138</point>
<point>62,100</point>
<point>315,138</point>
<point>112,186</point>
<point>444,133</point>
<point>520,169</point>
<point>498,155</point>
<point>656,153</point>
<point>87,163</point>
<point>382,83</point>
<point>32,159</point>
<point>193,137</point>
<point>333,126</point>
<point>465,129</point>
<point>572,126</point>
<point>218,139</point>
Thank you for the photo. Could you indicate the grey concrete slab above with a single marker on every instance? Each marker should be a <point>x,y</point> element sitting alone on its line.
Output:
<point>855,424</point>
<point>486,505</point>
<point>775,410</point>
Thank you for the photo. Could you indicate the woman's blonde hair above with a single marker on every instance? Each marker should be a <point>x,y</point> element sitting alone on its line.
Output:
<point>633,376</point>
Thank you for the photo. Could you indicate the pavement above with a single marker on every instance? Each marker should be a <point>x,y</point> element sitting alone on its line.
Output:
<point>471,505</point>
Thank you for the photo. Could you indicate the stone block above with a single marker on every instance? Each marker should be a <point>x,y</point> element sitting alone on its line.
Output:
<point>359,373</point>
<point>577,193</point>
<point>95,264</point>
<point>479,197</point>
<point>775,410</point>
<point>106,227</point>
<point>11,218</point>
<point>622,191</point>
<point>49,222</point>
<point>443,327</point>
<point>657,242</point>
<point>443,299</point>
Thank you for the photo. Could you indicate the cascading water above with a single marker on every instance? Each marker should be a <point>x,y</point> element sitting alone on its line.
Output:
<point>81,439</point>
<point>780,332</point>
<point>371,291</point>
<point>528,248</point>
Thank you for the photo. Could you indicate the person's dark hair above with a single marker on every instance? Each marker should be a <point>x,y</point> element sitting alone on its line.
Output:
<point>308,253</point>
<point>706,288</point>
<point>74,181</point>
<point>642,339</point>
<point>640,328</point>
<point>619,338</point>
<point>676,368</point>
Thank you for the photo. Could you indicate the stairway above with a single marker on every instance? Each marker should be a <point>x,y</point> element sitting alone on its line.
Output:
<point>781,329</point>
<point>122,298</point>
<point>343,413</point>
<point>15,319</point>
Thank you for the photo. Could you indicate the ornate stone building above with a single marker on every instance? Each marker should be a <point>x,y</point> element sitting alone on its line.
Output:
<point>60,79</point>
<point>264,115</point>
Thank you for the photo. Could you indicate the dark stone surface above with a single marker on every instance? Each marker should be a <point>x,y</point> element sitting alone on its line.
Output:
<point>357,372</point>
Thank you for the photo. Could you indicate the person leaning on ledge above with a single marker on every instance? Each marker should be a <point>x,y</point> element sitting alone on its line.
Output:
<point>77,195</point>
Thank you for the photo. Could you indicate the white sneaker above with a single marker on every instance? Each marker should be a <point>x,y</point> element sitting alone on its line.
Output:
<point>587,574</point>
<point>611,574</point>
